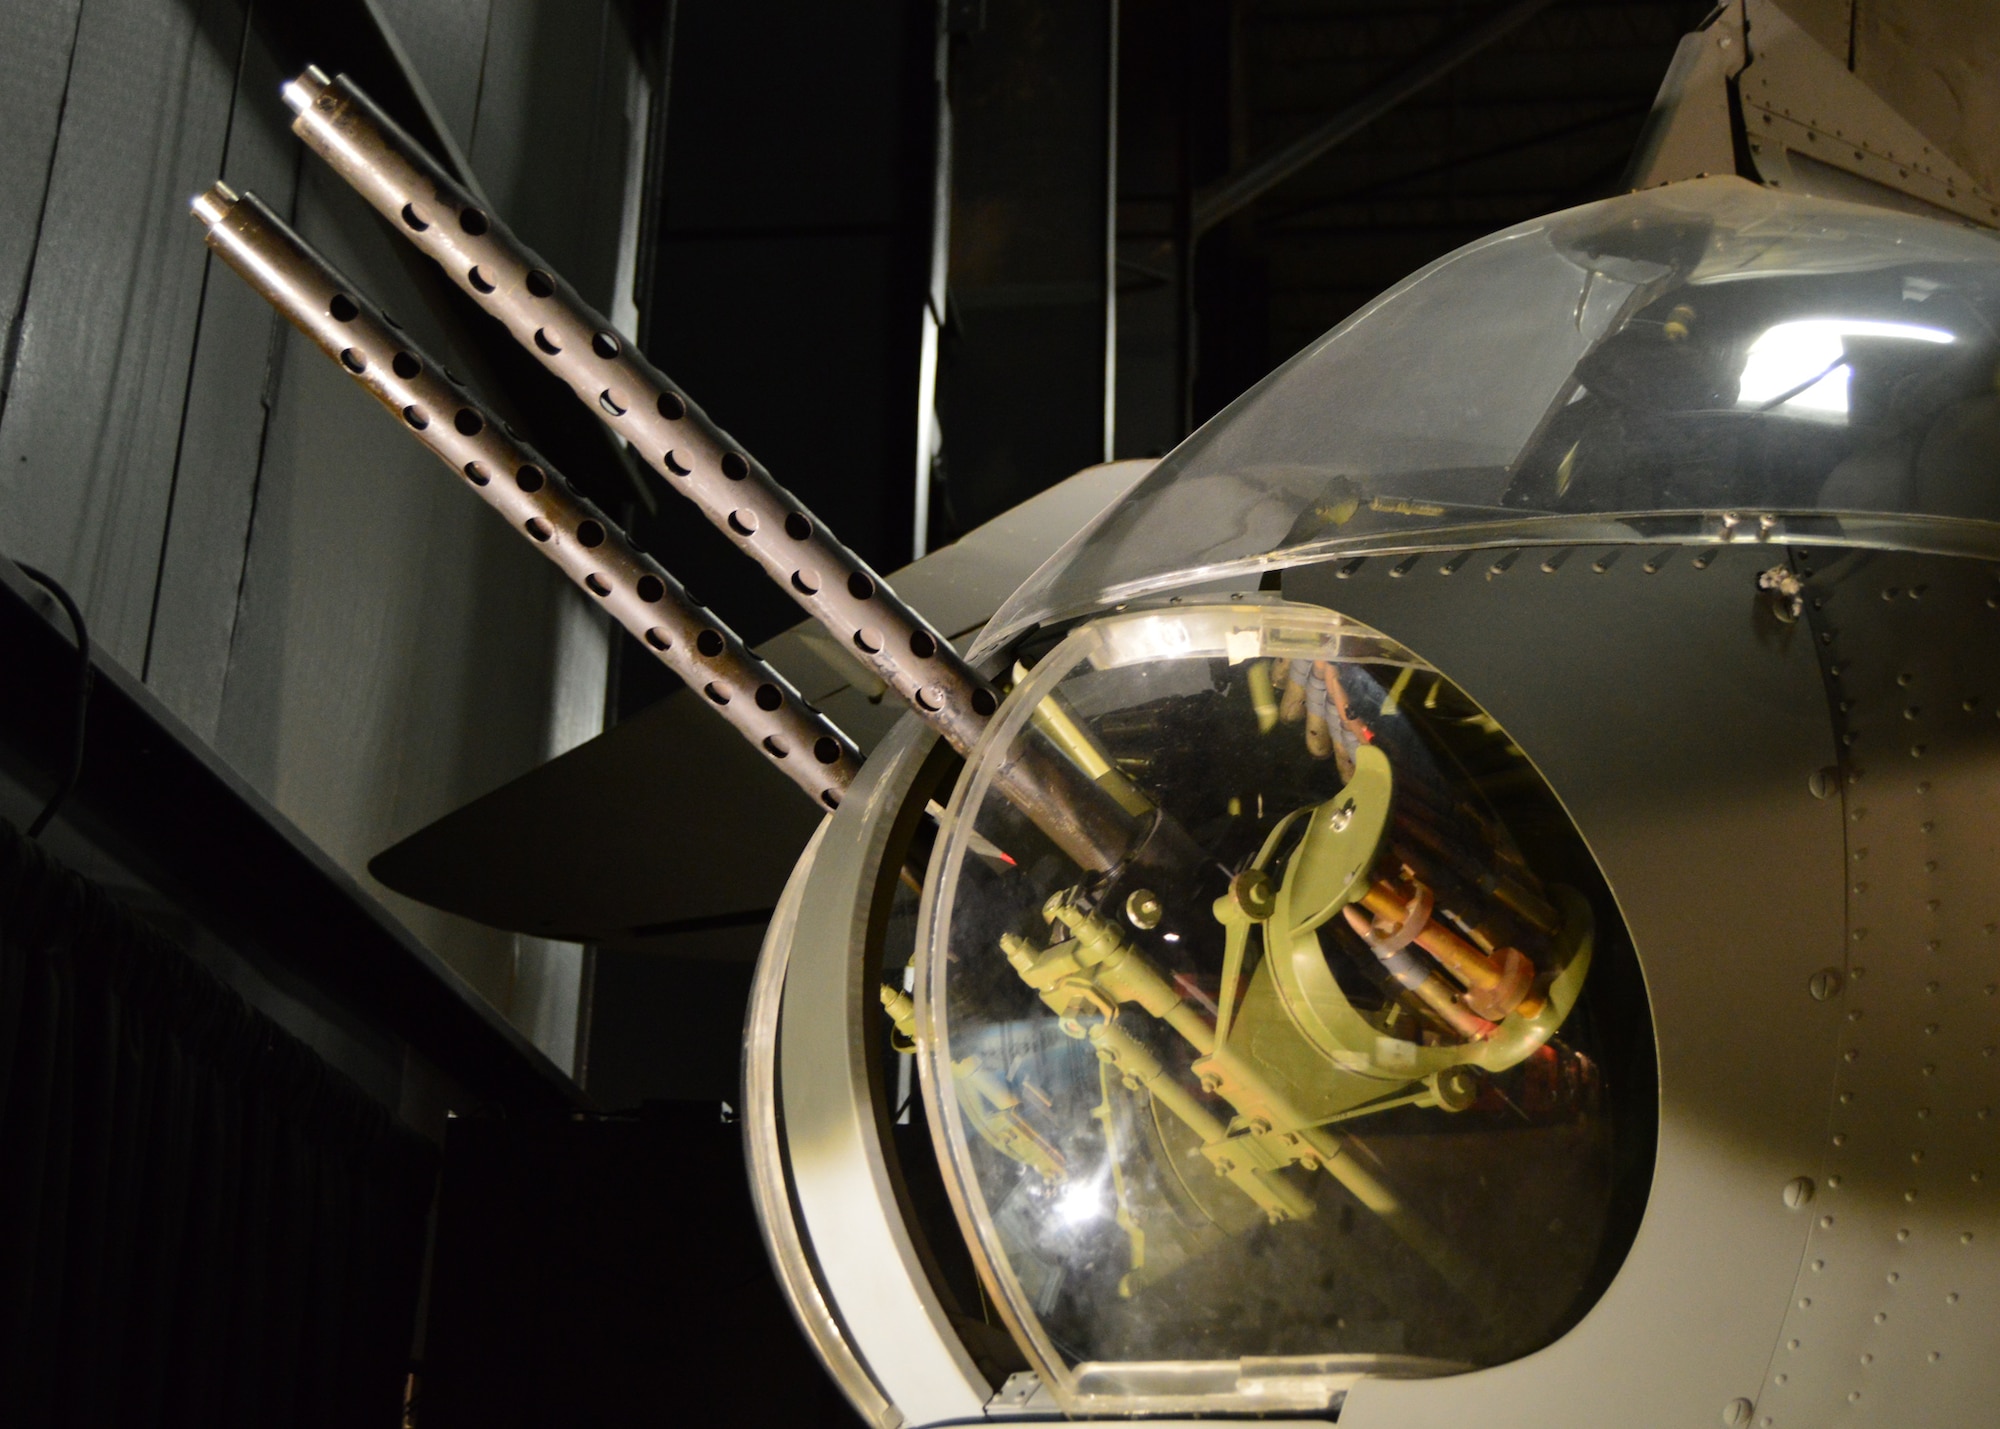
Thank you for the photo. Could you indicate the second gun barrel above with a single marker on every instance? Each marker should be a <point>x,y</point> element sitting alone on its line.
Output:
<point>536,500</point>
<point>698,459</point>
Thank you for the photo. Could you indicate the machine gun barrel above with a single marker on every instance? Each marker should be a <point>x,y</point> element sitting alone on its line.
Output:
<point>535,498</point>
<point>637,402</point>
<point>701,461</point>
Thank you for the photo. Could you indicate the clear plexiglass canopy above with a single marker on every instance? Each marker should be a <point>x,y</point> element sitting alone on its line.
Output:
<point>1708,361</point>
<point>1359,1085</point>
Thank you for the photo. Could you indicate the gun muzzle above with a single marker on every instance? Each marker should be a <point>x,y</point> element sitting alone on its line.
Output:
<point>532,495</point>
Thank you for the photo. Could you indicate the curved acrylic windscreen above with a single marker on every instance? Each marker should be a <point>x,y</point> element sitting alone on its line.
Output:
<point>1641,368</point>
<point>1354,1078</point>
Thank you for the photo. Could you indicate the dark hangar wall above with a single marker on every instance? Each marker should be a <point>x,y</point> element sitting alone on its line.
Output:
<point>294,578</point>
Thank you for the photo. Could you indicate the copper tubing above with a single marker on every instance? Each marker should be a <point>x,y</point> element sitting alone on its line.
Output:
<point>531,494</point>
<point>1494,985</point>
<point>1439,997</point>
<point>694,456</point>
<point>1463,961</point>
<point>1473,915</point>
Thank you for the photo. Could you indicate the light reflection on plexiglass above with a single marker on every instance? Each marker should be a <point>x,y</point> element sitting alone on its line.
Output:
<point>1802,368</point>
<point>1639,369</point>
<point>1364,1086</point>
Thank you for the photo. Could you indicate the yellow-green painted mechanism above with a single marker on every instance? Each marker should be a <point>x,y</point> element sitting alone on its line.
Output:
<point>1287,1050</point>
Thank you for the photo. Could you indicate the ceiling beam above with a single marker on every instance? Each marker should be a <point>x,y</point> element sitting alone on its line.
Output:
<point>1290,217</point>
<point>1235,192</point>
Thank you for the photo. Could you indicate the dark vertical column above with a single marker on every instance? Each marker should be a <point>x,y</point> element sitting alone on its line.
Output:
<point>1184,348</point>
<point>788,260</point>
<point>1231,343</point>
<point>1151,125</point>
<point>1027,357</point>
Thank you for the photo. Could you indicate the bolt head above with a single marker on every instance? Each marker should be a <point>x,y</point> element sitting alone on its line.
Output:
<point>1143,909</point>
<point>1252,892</point>
<point>1457,1088</point>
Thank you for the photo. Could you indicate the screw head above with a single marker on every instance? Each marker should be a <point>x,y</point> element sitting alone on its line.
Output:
<point>1825,984</point>
<point>1798,1192</point>
<point>1737,1413</point>
<point>1143,909</point>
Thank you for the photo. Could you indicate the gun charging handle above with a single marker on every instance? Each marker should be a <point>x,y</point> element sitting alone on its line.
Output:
<point>534,498</point>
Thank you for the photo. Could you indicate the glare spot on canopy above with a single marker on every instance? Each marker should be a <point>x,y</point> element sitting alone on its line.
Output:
<point>1805,359</point>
